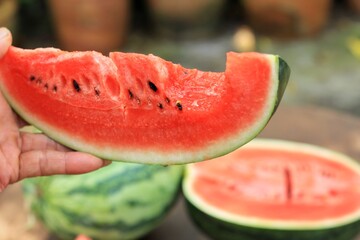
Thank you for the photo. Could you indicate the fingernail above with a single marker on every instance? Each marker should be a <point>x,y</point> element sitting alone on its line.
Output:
<point>4,32</point>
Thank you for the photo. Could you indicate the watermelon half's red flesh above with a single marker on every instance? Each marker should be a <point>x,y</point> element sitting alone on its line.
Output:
<point>278,185</point>
<point>141,108</point>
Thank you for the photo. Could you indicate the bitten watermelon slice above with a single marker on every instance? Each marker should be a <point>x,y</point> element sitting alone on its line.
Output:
<point>141,108</point>
<point>276,190</point>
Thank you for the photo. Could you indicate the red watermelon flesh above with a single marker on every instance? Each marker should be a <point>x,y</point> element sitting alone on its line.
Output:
<point>279,184</point>
<point>141,108</point>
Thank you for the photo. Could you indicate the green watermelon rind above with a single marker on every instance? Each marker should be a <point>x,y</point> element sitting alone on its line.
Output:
<point>223,230</point>
<point>279,78</point>
<point>30,129</point>
<point>125,202</point>
<point>209,217</point>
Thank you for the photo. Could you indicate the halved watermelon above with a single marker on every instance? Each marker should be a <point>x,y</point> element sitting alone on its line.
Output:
<point>272,189</point>
<point>141,108</point>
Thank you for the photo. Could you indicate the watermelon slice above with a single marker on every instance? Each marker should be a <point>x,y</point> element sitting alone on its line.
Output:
<point>141,108</point>
<point>272,189</point>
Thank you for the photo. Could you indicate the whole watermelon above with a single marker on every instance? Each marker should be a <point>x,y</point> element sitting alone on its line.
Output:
<point>120,201</point>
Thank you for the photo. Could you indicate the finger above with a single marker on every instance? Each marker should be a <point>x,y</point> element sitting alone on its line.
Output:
<point>50,162</point>
<point>30,142</point>
<point>5,41</point>
<point>4,174</point>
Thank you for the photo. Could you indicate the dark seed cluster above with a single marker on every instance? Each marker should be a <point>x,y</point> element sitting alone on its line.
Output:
<point>152,86</point>
<point>39,81</point>
<point>77,88</point>
<point>54,88</point>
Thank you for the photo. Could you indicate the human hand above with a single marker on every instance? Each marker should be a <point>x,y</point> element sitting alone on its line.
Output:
<point>24,155</point>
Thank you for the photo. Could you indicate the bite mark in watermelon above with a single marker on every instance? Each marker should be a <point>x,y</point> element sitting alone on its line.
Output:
<point>141,108</point>
<point>272,189</point>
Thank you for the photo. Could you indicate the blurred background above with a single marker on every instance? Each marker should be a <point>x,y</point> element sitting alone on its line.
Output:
<point>319,39</point>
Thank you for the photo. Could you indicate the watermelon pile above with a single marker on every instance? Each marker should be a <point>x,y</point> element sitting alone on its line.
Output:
<point>275,190</point>
<point>121,201</point>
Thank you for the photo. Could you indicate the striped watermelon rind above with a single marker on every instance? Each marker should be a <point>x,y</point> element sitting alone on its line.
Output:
<point>120,201</point>
<point>226,226</point>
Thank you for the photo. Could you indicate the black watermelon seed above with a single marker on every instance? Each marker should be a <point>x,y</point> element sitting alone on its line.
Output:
<point>152,86</point>
<point>131,95</point>
<point>76,85</point>
<point>32,78</point>
<point>167,100</point>
<point>54,88</point>
<point>160,105</point>
<point>179,106</point>
<point>97,91</point>
<point>46,86</point>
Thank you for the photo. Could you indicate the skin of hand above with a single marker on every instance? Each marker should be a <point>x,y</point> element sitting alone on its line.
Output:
<point>82,237</point>
<point>25,155</point>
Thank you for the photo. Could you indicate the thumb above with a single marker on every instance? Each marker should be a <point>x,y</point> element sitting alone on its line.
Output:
<point>5,40</point>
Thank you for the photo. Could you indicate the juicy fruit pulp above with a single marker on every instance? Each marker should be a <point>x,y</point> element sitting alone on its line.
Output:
<point>277,190</point>
<point>263,182</point>
<point>137,108</point>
